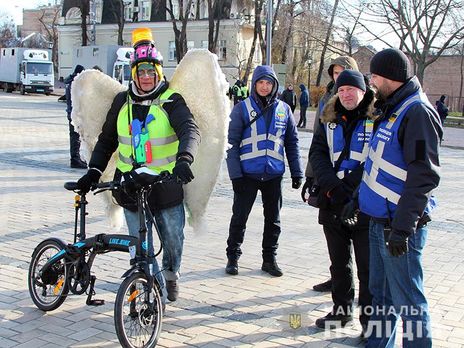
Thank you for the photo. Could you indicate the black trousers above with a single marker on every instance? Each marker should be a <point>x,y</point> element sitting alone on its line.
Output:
<point>340,240</point>
<point>74,142</point>
<point>302,121</point>
<point>271,193</point>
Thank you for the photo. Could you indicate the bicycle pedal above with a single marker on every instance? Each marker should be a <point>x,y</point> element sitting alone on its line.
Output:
<point>95,302</point>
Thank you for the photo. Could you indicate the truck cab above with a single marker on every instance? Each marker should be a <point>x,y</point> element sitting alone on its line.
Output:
<point>121,68</point>
<point>36,72</point>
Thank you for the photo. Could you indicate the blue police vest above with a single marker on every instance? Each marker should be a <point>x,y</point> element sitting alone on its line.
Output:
<point>385,169</point>
<point>359,144</point>
<point>262,149</point>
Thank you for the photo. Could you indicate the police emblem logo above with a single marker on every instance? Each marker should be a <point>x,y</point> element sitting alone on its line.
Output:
<point>332,125</point>
<point>253,113</point>
<point>294,319</point>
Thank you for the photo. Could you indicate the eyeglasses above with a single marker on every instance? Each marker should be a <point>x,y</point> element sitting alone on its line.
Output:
<point>145,72</point>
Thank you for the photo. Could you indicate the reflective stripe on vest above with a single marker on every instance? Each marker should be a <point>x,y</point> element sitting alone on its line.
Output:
<point>385,169</point>
<point>262,149</point>
<point>359,144</point>
<point>163,140</point>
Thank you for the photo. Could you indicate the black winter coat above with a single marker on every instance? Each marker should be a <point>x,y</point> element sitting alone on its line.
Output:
<point>319,156</point>
<point>182,121</point>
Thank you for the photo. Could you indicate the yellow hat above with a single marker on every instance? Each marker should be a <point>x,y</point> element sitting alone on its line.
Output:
<point>140,35</point>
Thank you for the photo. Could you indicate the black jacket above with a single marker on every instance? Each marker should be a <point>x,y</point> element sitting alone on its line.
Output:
<point>289,97</point>
<point>183,123</point>
<point>419,135</point>
<point>319,156</point>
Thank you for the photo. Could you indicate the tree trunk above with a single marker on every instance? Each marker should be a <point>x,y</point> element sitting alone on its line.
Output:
<point>258,9</point>
<point>326,42</point>
<point>84,13</point>
<point>120,22</point>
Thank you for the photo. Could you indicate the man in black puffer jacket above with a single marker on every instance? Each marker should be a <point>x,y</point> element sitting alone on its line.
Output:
<point>338,169</point>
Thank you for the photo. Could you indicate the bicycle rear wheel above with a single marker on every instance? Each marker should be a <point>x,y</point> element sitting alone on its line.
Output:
<point>138,322</point>
<point>48,290</point>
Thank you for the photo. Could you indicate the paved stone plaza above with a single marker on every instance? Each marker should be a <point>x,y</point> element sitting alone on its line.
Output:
<point>214,310</point>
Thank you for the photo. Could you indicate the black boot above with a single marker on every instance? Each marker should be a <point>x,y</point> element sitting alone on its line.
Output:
<point>78,163</point>
<point>232,267</point>
<point>272,268</point>
<point>323,287</point>
<point>332,320</point>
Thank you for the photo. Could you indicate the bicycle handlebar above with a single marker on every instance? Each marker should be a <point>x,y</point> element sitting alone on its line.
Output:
<point>161,178</point>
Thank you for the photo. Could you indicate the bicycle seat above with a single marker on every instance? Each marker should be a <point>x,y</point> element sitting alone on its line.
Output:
<point>71,186</point>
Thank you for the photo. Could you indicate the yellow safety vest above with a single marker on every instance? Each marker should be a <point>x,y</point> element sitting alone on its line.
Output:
<point>163,139</point>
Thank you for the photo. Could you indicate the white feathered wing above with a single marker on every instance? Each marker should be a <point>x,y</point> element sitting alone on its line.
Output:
<point>92,93</point>
<point>199,79</point>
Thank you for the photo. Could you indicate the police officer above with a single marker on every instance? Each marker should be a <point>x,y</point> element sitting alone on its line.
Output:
<point>337,154</point>
<point>401,171</point>
<point>260,128</point>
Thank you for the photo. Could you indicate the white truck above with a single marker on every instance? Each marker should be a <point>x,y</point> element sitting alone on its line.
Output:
<point>113,60</point>
<point>26,70</point>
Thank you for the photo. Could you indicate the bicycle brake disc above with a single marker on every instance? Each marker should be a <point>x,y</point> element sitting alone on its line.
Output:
<point>79,277</point>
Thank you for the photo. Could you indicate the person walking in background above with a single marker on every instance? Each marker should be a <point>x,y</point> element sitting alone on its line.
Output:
<point>238,91</point>
<point>337,154</point>
<point>289,96</point>
<point>304,103</point>
<point>336,67</point>
<point>74,139</point>
<point>261,128</point>
<point>401,171</point>
<point>442,109</point>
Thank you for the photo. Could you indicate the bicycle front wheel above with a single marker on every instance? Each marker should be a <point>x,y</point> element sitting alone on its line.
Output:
<point>137,313</point>
<point>49,289</point>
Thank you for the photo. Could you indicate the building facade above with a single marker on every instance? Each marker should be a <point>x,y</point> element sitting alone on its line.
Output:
<point>234,41</point>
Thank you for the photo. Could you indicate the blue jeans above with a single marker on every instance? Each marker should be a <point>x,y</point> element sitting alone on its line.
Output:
<point>396,284</point>
<point>171,222</point>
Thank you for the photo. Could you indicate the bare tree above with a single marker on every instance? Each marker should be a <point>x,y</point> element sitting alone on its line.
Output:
<point>258,11</point>
<point>7,34</point>
<point>424,28</point>
<point>50,26</point>
<point>215,9</point>
<point>84,6</point>
<point>326,42</point>
<point>180,35</point>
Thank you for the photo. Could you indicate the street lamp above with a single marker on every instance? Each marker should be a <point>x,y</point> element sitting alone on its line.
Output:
<point>268,32</point>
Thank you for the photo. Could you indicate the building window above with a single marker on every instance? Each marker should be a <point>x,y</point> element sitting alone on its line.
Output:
<point>145,11</point>
<point>204,44</point>
<point>190,45</point>
<point>128,12</point>
<point>222,50</point>
<point>172,51</point>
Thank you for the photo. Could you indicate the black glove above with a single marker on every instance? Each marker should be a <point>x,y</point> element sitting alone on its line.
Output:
<point>296,183</point>
<point>306,189</point>
<point>397,243</point>
<point>182,171</point>
<point>338,195</point>
<point>349,213</point>
<point>238,185</point>
<point>90,178</point>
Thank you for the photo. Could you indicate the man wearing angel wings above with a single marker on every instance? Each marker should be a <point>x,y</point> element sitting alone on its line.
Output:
<point>174,140</point>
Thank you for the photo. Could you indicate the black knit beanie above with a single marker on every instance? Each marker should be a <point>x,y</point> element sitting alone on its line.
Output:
<point>350,78</point>
<point>392,64</point>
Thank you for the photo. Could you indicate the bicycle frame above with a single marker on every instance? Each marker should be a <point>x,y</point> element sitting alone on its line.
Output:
<point>99,244</point>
